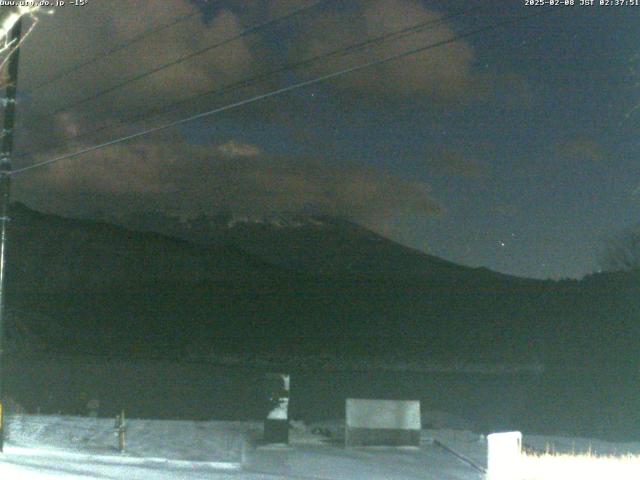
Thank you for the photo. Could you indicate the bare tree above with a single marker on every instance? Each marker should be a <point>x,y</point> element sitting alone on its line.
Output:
<point>622,251</point>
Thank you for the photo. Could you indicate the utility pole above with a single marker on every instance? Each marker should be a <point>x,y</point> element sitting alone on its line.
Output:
<point>9,103</point>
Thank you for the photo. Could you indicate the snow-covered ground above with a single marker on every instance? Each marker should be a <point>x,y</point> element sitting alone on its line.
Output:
<point>58,447</point>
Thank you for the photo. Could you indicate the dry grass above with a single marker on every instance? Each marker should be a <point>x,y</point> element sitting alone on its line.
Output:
<point>588,466</point>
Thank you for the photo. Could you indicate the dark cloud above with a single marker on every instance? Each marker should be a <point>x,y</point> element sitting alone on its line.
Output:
<point>581,149</point>
<point>184,179</point>
<point>507,210</point>
<point>443,73</point>
<point>511,90</point>
<point>450,162</point>
<point>166,173</point>
<point>234,148</point>
<point>72,36</point>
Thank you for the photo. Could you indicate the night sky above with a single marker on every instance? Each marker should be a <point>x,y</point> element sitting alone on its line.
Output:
<point>515,149</point>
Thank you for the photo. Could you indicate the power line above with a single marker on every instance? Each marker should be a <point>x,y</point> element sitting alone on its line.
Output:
<point>282,90</point>
<point>240,84</point>
<point>408,31</point>
<point>183,59</point>
<point>107,53</point>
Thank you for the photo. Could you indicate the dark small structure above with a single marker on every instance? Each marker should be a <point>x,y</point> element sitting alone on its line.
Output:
<point>276,426</point>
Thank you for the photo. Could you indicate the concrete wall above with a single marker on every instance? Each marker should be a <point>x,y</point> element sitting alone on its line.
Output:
<point>382,422</point>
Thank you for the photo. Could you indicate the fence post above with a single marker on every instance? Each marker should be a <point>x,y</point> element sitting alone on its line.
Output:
<point>504,453</point>
<point>120,430</point>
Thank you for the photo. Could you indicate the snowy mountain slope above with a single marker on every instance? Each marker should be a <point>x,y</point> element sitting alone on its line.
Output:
<point>315,244</point>
<point>94,287</point>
